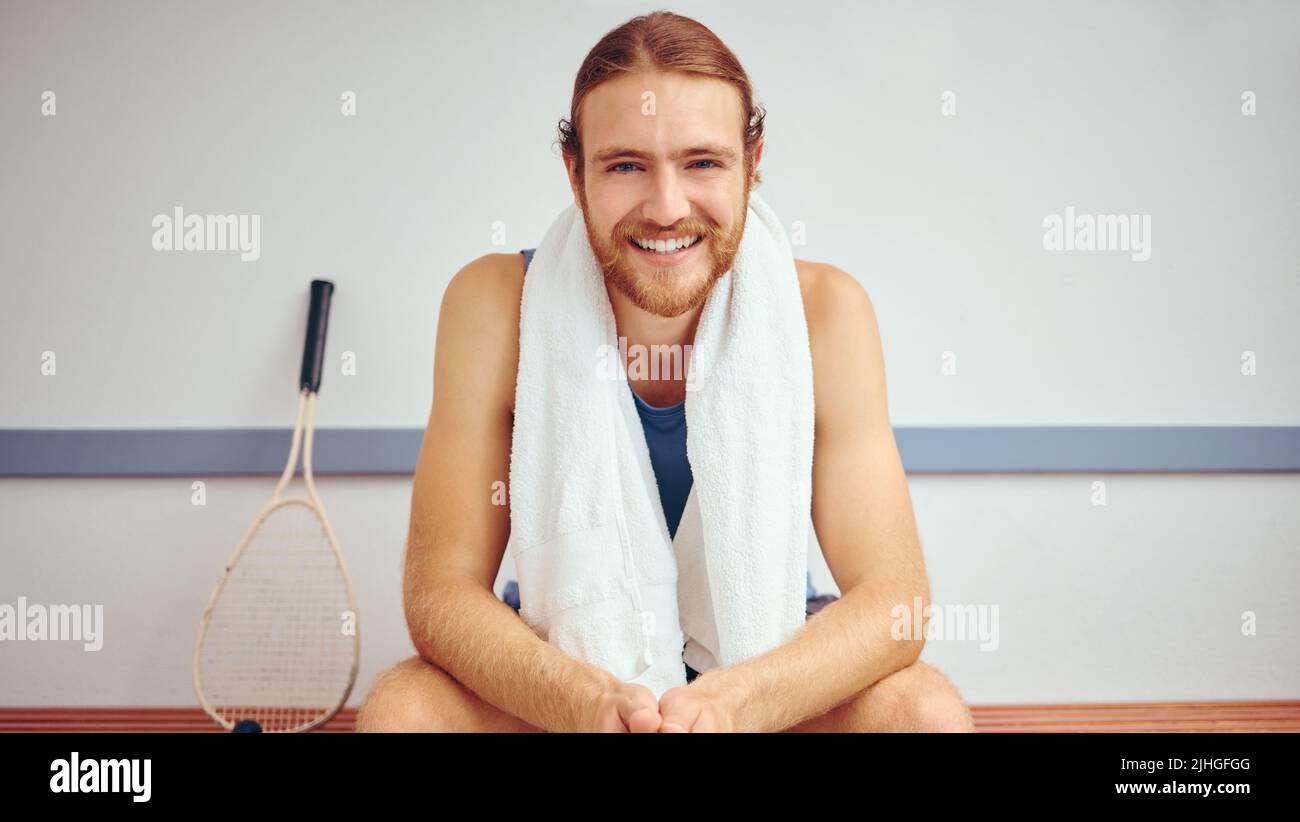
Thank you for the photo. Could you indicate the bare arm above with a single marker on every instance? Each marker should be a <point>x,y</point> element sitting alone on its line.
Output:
<point>458,536</point>
<point>862,512</point>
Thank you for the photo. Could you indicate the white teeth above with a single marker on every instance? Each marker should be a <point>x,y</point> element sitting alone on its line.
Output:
<point>665,246</point>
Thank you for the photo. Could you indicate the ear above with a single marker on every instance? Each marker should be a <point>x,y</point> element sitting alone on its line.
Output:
<point>758,155</point>
<point>571,169</point>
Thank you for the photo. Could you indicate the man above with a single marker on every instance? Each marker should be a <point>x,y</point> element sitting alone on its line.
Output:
<point>680,168</point>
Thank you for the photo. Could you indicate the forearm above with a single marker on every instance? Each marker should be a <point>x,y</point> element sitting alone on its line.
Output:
<point>471,634</point>
<point>845,648</point>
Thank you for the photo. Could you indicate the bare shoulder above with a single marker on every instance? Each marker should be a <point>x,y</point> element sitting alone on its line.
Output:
<point>844,339</point>
<point>486,285</point>
<point>478,328</point>
<point>834,302</point>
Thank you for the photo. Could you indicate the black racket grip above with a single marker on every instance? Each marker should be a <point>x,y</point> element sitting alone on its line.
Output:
<point>313,349</point>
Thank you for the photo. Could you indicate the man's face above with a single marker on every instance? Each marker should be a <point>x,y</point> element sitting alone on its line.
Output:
<point>688,181</point>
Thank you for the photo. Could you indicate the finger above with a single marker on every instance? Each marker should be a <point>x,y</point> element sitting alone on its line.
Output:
<point>704,725</point>
<point>644,721</point>
<point>680,716</point>
<point>613,723</point>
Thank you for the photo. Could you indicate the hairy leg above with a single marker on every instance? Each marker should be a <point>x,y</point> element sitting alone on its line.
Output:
<point>415,695</point>
<point>916,698</point>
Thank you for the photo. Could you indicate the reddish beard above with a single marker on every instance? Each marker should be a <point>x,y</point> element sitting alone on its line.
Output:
<point>666,292</point>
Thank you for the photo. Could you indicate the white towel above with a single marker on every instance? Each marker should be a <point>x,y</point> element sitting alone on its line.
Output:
<point>598,574</point>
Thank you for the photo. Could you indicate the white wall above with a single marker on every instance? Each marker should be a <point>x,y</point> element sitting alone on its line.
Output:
<point>234,108</point>
<point>1139,599</point>
<point>1111,107</point>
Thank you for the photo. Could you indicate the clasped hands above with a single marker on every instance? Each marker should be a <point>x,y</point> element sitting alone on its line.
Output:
<point>692,708</point>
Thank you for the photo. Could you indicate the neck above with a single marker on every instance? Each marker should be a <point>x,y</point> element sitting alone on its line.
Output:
<point>644,330</point>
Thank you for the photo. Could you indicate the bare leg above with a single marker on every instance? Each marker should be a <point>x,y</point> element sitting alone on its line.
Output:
<point>916,698</point>
<point>415,695</point>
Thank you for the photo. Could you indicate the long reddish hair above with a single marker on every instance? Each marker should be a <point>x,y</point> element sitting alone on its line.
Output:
<point>662,41</point>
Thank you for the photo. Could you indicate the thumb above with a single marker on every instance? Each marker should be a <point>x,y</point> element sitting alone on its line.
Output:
<point>642,719</point>
<point>640,712</point>
<point>677,717</point>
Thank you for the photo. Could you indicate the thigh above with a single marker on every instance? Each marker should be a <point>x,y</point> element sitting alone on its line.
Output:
<point>416,695</point>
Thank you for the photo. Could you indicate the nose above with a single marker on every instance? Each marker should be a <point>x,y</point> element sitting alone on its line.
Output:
<point>667,202</point>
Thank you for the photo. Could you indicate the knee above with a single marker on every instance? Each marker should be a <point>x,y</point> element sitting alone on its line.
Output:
<point>936,706</point>
<point>942,713</point>
<point>399,700</point>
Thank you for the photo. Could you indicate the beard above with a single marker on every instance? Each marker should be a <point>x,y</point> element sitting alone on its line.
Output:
<point>667,291</point>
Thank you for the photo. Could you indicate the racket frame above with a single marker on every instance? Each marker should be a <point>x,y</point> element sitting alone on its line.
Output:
<point>303,436</point>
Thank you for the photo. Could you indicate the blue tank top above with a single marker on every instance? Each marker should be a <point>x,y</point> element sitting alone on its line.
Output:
<point>665,435</point>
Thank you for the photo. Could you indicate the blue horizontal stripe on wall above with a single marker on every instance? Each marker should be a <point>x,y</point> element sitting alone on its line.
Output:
<point>1010,449</point>
<point>134,452</point>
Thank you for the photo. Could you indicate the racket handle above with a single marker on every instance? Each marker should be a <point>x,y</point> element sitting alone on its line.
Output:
<point>313,350</point>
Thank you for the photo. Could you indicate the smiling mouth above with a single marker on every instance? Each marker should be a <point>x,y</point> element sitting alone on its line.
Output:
<point>666,258</point>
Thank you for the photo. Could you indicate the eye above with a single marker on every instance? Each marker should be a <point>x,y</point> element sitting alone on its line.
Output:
<point>697,162</point>
<point>616,165</point>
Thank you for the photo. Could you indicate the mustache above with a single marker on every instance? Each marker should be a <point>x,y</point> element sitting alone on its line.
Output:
<point>690,228</point>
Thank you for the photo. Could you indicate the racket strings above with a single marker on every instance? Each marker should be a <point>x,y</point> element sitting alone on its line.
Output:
<point>276,650</point>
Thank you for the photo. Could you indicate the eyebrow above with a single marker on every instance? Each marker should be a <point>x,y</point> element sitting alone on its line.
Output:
<point>616,152</point>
